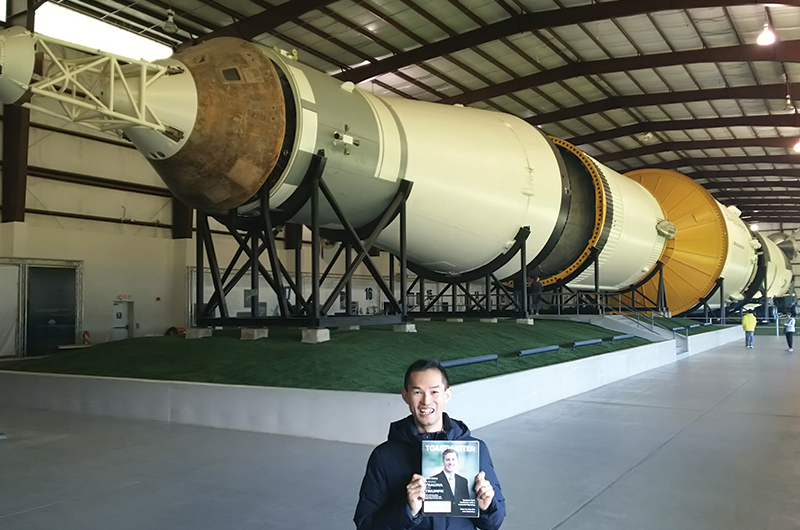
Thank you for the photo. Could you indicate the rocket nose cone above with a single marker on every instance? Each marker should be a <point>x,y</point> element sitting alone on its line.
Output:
<point>17,57</point>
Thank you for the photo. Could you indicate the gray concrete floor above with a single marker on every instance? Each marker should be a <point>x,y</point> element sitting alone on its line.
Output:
<point>711,442</point>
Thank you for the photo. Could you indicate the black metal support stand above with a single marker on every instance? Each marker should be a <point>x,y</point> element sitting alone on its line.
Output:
<point>256,235</point>
<point>630,300</point>
<point>497,299</point>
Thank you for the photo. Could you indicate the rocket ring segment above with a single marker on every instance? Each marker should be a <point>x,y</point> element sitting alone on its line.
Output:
<point>601,226</point>
<point>694,259</point>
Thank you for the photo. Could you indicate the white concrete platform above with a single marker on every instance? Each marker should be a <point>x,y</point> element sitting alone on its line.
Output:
<point>268,409</point>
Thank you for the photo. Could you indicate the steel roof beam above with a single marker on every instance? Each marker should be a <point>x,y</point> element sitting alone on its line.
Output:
<point>760,210</point>
<point>726,161</point>
<point>269,19</point>
<point>763,205</point>
<point>774,218</point>
<point>772,120</point>
<point>714,175</point>
<point>776,91</point>
<point>780,52</point>
<point>771,195</point>
<point>748,185</point>
<point>532,22</point>
<point>729,143</point>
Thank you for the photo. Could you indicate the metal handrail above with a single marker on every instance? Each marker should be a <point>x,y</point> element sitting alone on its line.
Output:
<point>653,322</point>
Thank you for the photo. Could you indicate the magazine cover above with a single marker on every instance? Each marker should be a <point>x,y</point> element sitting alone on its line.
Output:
<point>449,468</point>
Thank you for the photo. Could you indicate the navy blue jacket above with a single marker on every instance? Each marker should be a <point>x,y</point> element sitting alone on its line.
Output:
<point>382,503</point>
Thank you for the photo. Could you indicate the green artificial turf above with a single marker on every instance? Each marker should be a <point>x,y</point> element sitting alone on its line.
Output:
<point>676,322</point>
<point>373,359</point>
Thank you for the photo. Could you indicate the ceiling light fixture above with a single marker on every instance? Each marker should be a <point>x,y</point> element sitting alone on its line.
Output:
<point>766,37</point>
<point>797,147</point>
<point>789,105</point>
<point>169,25</point>
<point>754,228</point>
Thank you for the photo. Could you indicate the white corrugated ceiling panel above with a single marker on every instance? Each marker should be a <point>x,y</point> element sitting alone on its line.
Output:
<point>679,31</point>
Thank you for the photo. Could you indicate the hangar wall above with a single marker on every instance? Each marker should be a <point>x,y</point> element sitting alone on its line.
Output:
<point>122,236</point>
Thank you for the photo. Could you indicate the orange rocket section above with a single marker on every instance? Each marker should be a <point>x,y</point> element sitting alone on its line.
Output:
<point>693,260</point>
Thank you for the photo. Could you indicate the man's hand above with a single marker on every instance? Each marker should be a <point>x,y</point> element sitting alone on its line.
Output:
<point>415,493</point>
<point>483,491</point>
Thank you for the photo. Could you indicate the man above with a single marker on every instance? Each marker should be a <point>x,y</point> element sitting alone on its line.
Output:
<point>455,488</point>
<point>535,295</point>
<point>393,488</point>
<point>749,326</point>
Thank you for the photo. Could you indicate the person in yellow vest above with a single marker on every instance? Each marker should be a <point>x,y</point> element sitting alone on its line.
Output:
<point>749,325</point>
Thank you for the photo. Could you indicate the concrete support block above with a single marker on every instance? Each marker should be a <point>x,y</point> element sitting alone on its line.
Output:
<point>455,320</point>
<point>198,333</point>
<point>525,321</point>
<point>405,328</point>
<point>316,335</point>
<point>489,320</point>
<point>254,333</point>
<point>353,328</point>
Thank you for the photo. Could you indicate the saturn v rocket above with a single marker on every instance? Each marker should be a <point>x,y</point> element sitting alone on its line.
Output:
<point>223,119</point>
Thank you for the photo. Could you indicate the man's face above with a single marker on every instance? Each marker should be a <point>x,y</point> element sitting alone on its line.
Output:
<point>425,396</point>
<point>450,461</point>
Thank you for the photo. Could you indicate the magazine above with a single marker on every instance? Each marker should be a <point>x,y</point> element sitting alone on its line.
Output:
<point>450,468</point>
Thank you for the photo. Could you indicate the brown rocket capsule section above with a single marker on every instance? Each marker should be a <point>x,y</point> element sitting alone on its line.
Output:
<point>238,131</point>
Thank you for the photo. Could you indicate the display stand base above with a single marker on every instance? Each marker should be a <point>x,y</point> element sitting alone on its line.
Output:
<point>316,335</point>
<point>199,333</point>
<point>254,333</point>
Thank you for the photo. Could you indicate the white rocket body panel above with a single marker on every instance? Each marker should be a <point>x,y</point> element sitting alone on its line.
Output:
<point>363,177</point>
<point>634,245</point>
<point>779,276</point>
<point>478,176</point>
<point>741,261</point>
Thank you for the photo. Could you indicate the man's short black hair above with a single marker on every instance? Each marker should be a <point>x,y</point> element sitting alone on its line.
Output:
<point>448,451</point>
<point>426,364</point>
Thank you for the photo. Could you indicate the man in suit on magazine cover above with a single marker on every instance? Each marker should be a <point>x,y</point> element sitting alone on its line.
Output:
<point>455,487</point>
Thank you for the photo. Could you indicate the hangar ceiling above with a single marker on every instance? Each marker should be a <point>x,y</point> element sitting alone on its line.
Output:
<point>677,84</point>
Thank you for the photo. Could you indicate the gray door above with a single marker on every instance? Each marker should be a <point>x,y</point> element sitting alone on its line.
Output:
<point>122,328</point>
<point>52,312</point>
<point>9,309</point>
